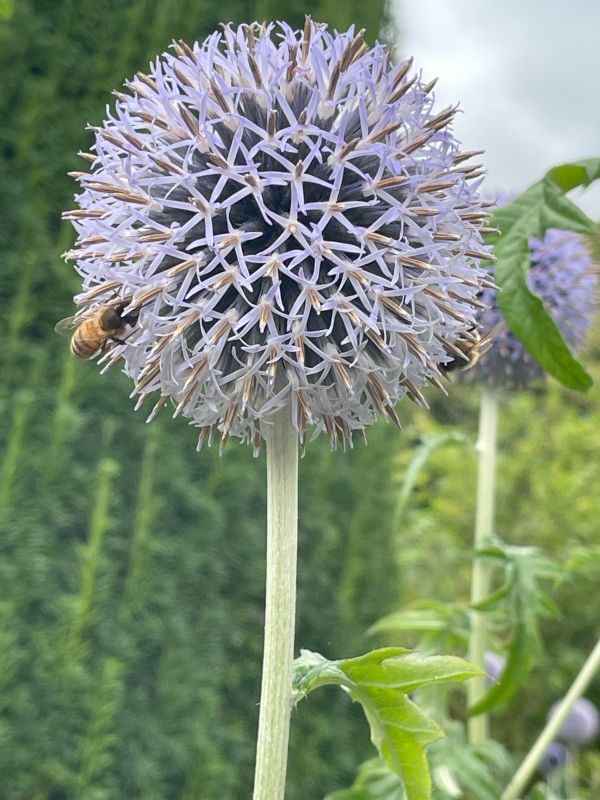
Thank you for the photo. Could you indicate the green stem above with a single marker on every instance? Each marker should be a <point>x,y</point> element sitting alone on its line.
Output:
<point>280,610</point>
<point>484,528</point>
<point>548,734</point>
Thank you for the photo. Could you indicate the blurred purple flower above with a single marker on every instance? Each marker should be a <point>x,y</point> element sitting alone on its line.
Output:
<point>554,757</point>
<point>564,277</point>
<point>582,724</point>
<point>295,224</point>
<point>494,666</point>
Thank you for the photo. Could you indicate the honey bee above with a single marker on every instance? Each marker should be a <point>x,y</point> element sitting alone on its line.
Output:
<point>92,331</point>
<point>468,350</point>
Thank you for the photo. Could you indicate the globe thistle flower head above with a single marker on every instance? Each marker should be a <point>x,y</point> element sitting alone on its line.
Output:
<point>555,756</point>
<point>562,275</point>
<point>582,723</point>
<point>294,223</point>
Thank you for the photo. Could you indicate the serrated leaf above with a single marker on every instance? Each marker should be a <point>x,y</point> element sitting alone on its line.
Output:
<point>542,206</point>
<point>408,671</point>
<point>379,681</point>
<point>525,602</point>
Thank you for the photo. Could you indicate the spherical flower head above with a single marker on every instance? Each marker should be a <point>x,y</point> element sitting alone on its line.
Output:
<point>554,757</point>
<point>291,223</point>
<point>563,276</point>
<point>582,723</point>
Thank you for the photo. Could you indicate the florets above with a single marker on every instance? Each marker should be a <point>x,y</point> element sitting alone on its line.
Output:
<point>294,222</point>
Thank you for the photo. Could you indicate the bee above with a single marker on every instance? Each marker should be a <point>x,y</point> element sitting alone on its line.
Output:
<point>92,331</point>
<point>468,350</point>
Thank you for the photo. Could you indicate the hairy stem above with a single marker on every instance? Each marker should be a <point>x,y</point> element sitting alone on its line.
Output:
<point>578,687</point>
<point>280,610</point>
<point>484,528</point>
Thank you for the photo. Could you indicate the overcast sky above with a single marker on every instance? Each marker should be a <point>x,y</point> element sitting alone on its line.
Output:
<point>526,73</point>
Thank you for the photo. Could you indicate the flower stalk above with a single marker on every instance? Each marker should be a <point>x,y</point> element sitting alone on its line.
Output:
<point>484,528</point>
<point>548,734</point>
<point>280,609</point>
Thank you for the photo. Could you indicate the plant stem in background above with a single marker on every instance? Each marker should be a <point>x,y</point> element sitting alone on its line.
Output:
<point>578,687</point>
<point>484,528</point>
<point>280,609</point>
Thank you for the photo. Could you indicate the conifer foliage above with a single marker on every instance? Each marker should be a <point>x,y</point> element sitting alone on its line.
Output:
<point>131,567</point>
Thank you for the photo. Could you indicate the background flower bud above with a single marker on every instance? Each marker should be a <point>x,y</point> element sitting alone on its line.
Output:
<point>494,666</point>
<point>554,757</point>
<point>563,276</point>
<point>581,726</point>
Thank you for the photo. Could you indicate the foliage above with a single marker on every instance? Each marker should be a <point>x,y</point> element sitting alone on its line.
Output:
<point>520,600</point>
<point>132,568</point>
<point>458,770</point>
<point>380,681</point>
<point>542,206</point>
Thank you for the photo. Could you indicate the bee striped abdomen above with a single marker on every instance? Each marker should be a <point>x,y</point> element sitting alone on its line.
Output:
<point>88,339</point>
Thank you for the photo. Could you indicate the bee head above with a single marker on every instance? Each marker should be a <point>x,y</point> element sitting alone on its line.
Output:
<point>113,318</point>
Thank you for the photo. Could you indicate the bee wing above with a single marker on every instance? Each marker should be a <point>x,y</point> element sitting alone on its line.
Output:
<point>66,326</point>
<point>487,339</point>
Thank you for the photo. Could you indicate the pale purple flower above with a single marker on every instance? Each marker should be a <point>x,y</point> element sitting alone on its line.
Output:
<point>562,275</point>
<point>494,665</point>
<point>582,723</point>
<point>554,757</point>
<point>295,224</point>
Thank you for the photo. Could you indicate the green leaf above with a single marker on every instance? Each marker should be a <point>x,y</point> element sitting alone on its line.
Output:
<point>542,206</point>
<point>426,617</point>
<point>573,174</point>
<point>379,681</point>
<point>374,781</point>
<point>501,593</point>
<point>420,457</point>
<point>458,768</point>
<point>524,600</point>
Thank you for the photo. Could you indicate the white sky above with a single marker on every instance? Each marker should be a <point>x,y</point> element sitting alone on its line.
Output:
<point>526,73</point>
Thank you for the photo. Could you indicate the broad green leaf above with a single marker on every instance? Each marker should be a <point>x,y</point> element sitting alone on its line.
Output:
<point>379,681</point>
<point>578,173</point>
<point>408,671</point>
<point>544,205</point>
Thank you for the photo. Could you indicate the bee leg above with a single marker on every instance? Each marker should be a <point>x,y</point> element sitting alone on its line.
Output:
<point>122,341</point>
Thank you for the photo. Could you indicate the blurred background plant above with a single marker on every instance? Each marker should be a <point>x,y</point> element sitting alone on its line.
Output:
<point>130,636</point>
